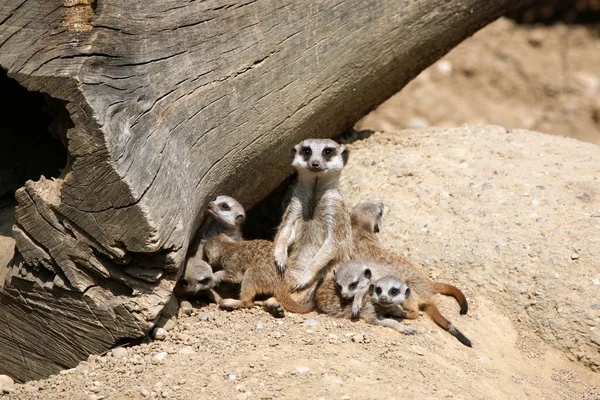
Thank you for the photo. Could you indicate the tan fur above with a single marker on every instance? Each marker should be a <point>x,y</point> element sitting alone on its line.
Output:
<point>315,230</point>
<point>368,248</point>
<point>225,215</point>
<point>251,264</point>
<point>329,301</point>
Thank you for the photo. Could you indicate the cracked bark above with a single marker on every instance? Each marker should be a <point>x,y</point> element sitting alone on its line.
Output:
<point>170,105</point>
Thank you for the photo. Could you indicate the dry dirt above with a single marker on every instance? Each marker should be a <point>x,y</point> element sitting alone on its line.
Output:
<point>510,217</point>
<point>545,79</point>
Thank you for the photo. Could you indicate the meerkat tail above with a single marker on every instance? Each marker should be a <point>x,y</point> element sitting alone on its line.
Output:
<point>449,290</point>
<point>282,295</point>
<point>434,313</point>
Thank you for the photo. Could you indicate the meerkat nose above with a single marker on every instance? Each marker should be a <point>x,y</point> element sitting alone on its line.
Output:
<point>315,164</point>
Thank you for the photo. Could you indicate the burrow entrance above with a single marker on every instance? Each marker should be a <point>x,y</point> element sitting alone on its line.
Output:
<point>33,143</point>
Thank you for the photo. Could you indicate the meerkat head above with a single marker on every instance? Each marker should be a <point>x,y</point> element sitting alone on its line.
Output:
<point>368,215</point>
<point>226,210</point>
<point>389,291</point>
<point>319,156</point>
<point>198,276</point>
<point>350,277</point>
<point>212,247</point>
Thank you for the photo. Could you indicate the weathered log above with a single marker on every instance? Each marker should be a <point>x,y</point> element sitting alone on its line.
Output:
<point>163,105</point>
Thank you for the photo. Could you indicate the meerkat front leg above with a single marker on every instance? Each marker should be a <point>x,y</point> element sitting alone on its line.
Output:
<point>392,323</point>
<point>286,234</point>
<point>358,300</point>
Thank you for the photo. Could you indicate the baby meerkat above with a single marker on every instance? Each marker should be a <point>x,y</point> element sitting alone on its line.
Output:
<point>225,216</point>
<point>251,264</point>
<point>315,231</point>
<point>198,280</point>
<point>365,217</point>
<point>382,297</point>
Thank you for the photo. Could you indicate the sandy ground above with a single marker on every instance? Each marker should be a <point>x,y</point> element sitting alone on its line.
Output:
<point>510,217</point>
<point>545,79</point>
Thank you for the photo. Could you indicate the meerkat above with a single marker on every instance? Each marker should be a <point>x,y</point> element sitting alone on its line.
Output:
<point>364,219</point>
<point>251,264</point>
<point>315,231</point>
<point>226,215</point>
<point>382,296</point>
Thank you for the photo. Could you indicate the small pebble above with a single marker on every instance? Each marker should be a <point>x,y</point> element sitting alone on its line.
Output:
<point>260,325</point>
<point>311,322</point>
<point>137,359</point>
<point>580,289</point>
<point>33,389</point>
<point>7,384</point>
<point>119,352</point>
<point>595,306</point>
<point>159,358</point>
<point>165,394</point>
<point>204,317</point>
<point>302,370</point>
<point>159,334</point>
<point>138,369</point>
<point>358,338</point>
<point>145,393</point>
<point>187,350</point>
<point>231,377</point>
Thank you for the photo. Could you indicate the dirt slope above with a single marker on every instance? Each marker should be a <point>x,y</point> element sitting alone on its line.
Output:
<point>509,217</point>
<point>543,78</point>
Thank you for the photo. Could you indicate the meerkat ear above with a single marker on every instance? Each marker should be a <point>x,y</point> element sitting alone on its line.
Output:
<point>371,289</point>
<point>240,218</point>
<point>294,152</point>
<point>407,293</point>
<point>367,273</point>
<point>345,155</point>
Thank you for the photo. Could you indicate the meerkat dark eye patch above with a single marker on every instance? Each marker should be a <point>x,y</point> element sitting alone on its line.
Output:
<point>205,281</point>
<point>306,151</point>
<point>394,291</point>
<point>353,285</point>
<point>224,206</point>
<point>378,290</point>
<point>328,152</point>
<point>367,273</point>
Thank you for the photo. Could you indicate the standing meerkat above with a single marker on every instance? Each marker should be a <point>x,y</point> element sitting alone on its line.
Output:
<point>315,231</point>
<point>382,297</point>
<point>365,217</point>
<point>251,264</point>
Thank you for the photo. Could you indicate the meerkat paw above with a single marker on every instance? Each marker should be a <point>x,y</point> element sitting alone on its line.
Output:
<point>409,331</point>
<point>303,281</point>
<point>355,311</point>
<point>274,308</point>
<point>185,308</point>
<point>229,304</point>
<point>280,262</point>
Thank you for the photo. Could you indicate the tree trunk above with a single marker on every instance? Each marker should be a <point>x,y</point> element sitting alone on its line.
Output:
<point>162,105</point>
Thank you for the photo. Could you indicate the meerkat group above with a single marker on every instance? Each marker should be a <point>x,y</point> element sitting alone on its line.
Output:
<point>323,257</point>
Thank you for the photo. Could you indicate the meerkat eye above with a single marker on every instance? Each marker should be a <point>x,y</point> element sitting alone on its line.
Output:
<point>378,290</point>
<point>224,206</point>
<point>306,151</point>
<point>353,285</point>
<point>205,281</point>
<point>394,291</point>
<point>328,152</point>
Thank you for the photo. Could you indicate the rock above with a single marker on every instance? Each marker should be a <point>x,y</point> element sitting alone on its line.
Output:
<point>170,324</point>
<point>145,393</point>
<point>574,256</point>
<point>119,352</point>
<point>260,325</point>
<point>205,316</point>
<point>159,334</point>
<point>595,306</point>
<point>33,389</point>
<point>358,338</point>
<point>231,377</point>
<point>159,358</point>
<point>165,394</point>
<point>186,350</point>
<point>7,385</point>
<point>443,67</point>
<point>138,369</point>
<point>311,322</point>
<point>302,369</point>
<point>137,359</point>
